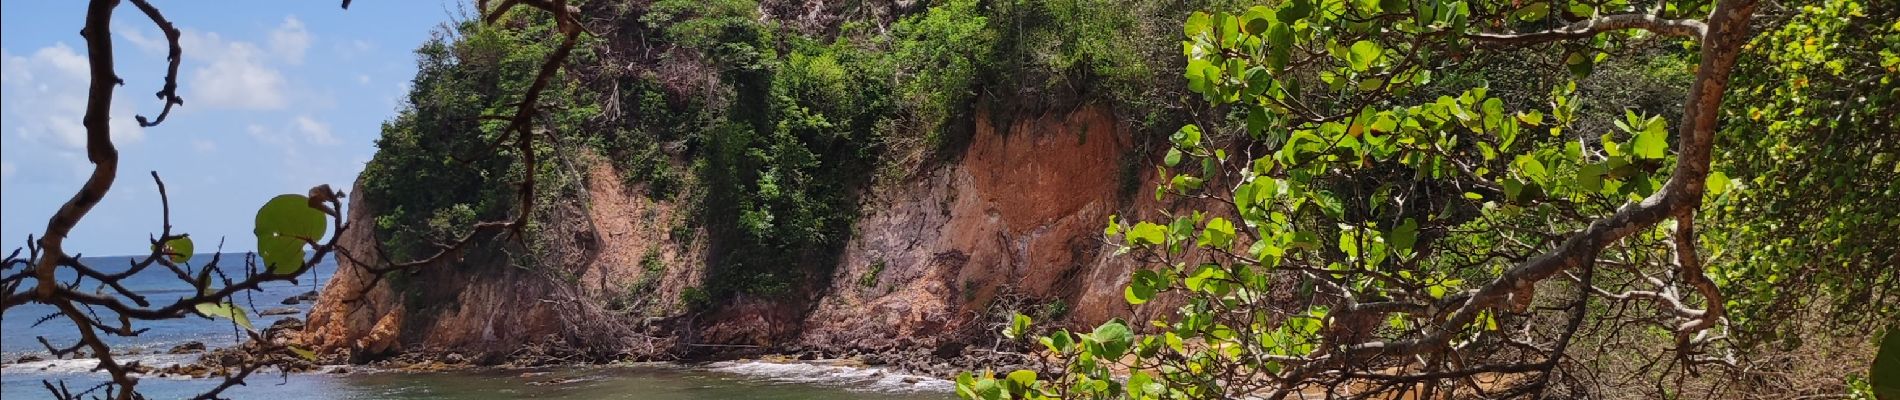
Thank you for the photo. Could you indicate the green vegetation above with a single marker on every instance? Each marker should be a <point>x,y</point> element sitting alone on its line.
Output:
<point>1436,230</point>
<point>1411,185</point>
<point>765,130</point>
<point>651,262</point>
<point>441,167</point>
<point>869,279</point>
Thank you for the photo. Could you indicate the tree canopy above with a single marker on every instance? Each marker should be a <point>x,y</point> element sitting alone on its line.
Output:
<point>1383,224</point>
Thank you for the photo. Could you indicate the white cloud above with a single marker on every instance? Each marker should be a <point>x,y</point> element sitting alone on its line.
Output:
<point>313,131</point>
<point>286,137</point>
<point>265,136</point>
<point>7,169</point>
<point>53,82</point>
<point>13,69</point>
<point>154,44</point>
<point>204,146</point>
<point>290,40</point>
<point>234,74</point>
<point>362,78</point>
<point>353,48</point>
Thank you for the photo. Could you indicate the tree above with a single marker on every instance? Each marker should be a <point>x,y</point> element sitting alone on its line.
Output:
<point>1360,238</point>
<point>286,226</point>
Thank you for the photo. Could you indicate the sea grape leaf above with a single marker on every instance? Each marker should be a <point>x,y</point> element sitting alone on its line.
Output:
<point>1147,233</point>
<point>1114,338</point>
<point>1651,143</point>
<point>284,225</point>
<point>178,250</point>
<point>226,310</point>
<point>1885,374</point>
<point>1363,54</point>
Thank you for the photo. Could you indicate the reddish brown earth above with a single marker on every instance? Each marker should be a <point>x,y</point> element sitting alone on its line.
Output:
<point>1020,215</point>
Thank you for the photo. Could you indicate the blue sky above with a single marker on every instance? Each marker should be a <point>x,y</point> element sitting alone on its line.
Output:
<point>279,96</point>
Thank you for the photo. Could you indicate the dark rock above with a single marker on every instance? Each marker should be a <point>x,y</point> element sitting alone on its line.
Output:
<point>281,311</point>
<point>288,323</point>
<point>188,348</point>
<point>28,358</point>
<point>309,296</point>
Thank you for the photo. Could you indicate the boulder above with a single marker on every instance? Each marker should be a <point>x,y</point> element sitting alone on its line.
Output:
<point>381,339</point>
<point>309,296</point>
<point>187,348</point>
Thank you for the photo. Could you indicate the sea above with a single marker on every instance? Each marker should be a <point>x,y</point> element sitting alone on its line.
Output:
<point>22,327</point>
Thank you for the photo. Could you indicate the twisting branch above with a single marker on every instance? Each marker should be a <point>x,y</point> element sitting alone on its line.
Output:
<point>1689,265</point>
<point>99,149</point>
<point>47,252</point>
<point>169,93</point>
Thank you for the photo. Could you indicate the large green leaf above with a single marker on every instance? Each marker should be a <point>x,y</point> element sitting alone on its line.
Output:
<point>281,255</point>
<point>303,353</point>
<point>226,310</point>
<point>1197,24</point>
<point>1021,381</point>
<point>1219,233</point>
<point>1403,237</point>
<point>1280,46</point>
<point>1294,10</point>
<point>1018,325</point>
<point>1142,287</point>
<point>1885,375</point>
<point>1590,177</point>
<point>1363,54</point>
<point>1258,19</point>
<point>1651,143</point>
<point>1059,342</point>
<point>284,225</point>
<point>1147,233</point>
<point>178,250</point>
<point>1718,183</point>
<point>1580,64</point>
<point>1114,337</point>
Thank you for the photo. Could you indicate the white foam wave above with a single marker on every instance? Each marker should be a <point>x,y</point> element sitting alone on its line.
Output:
<point>857,378</point>
<point>86,365</point>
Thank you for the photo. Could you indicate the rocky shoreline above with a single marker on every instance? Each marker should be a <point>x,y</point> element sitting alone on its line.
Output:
<point>912,369</point>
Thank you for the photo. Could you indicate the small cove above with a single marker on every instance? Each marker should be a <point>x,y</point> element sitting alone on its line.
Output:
<point>645,381</point>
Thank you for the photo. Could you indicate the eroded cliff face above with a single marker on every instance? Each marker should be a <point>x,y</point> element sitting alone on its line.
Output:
<point>1018,217</point>
<point>605,265</point>
<point>367,317</point>
<point>1021,214</point>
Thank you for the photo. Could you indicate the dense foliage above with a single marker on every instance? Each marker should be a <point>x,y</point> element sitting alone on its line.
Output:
<point>765,130</point>
<point>441,167</point>
<point>1360,239</point>
<point>1362,176</point>
<point>1811,134</point>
